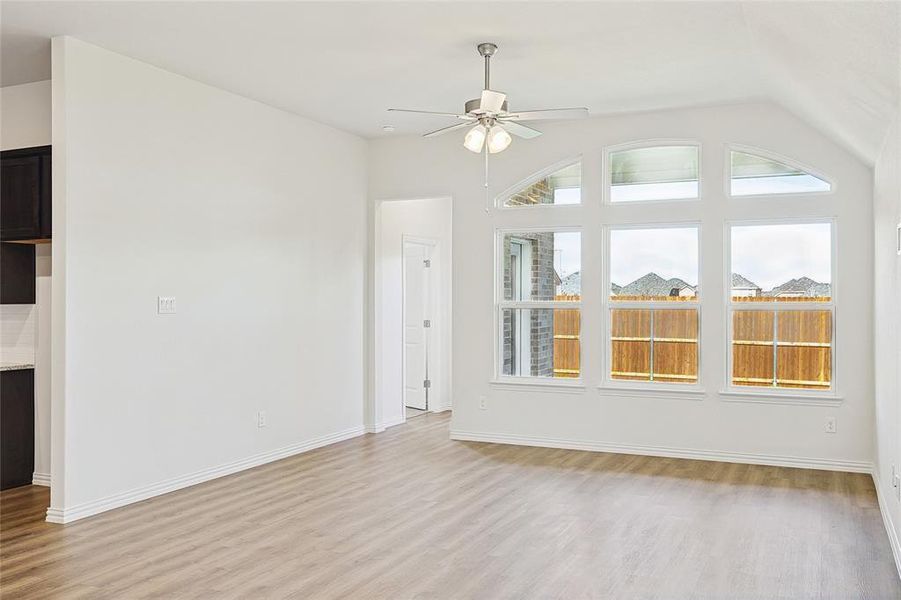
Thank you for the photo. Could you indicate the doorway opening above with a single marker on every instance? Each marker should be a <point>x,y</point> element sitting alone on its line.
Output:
<point>412,310</point>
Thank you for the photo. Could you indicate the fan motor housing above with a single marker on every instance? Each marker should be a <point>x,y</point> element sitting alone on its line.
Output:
<point>473,106</point>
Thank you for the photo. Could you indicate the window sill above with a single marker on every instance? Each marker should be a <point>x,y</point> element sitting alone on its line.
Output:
<point>770,397</point>
<point>572,386</point>
<point>667,393</point>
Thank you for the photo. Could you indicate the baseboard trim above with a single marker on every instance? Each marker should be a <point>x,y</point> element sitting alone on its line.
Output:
<point>87,509</point>
<point>849,466</point>
<point>396,421</point>
<point>887,522</point>
<point>40,479</point>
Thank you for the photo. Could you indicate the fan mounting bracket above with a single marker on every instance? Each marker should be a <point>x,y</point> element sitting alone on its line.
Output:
<point>472,107</point>
<point>486,49</point>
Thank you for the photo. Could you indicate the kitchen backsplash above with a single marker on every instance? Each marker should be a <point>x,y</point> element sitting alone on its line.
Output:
<point>18,328</point>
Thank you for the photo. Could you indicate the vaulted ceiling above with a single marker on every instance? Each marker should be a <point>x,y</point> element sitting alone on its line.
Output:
<point>835,64</point>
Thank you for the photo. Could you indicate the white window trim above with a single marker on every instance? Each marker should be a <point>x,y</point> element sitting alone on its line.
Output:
<point>501,199</point>
<point>648,388</point>
<point>648,143</point>
<point>500,304</point>
<point>666,392</point>
<point>538,384</point>
<point>727,174</point>
<point>775,395</point>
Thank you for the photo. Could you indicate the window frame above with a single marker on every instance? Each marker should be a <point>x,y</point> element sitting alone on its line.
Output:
<point>501,199</point>
<point>607,306</point>
<point>767,154</point>
<point>802,395</point>
<point>501,304</point>
<point>647,143</point>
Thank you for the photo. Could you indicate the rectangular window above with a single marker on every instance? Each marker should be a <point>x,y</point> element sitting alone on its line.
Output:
<point>539,308</point>
<point>654,311</point>
<point>655,173</point>
<point>781,306</point>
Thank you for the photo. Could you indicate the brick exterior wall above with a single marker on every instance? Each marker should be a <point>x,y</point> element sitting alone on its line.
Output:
<point>543,287</point>
<point>539,192</point>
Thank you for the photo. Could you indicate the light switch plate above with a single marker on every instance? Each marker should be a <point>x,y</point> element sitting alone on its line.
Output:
<point>165,305</point>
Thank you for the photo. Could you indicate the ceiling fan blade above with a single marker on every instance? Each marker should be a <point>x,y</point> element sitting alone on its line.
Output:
<point>521,130</point>
<point>547,114</point>
<point>431,112</point>
<point>492,101</point>
<point>444,130</point>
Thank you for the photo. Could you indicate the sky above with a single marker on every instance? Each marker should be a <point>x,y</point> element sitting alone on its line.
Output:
<point>770,255</point>
<point>567,252</point>
<point>669,252</point>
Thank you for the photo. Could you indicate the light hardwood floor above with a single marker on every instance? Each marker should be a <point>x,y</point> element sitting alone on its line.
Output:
<point>410,514</point>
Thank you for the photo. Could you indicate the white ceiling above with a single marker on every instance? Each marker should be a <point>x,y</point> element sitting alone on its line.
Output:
<point>835,64</point>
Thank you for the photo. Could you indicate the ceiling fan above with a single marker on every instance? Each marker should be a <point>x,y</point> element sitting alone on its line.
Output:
<point>489,120</point>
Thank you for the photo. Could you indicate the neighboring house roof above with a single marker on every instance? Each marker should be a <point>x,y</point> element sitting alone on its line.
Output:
<point>802,286</point>
<point>653,284</point>
<point>571,285</point>
<point>741,282</point>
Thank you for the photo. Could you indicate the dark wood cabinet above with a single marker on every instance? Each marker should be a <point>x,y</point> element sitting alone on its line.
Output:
<point>16,428</point>
<point>25,194</point>
<point>17,274</point>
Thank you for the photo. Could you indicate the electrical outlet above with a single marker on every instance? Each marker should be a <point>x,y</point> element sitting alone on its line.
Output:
<point>165,305</point>
<point>830,425</point>
<point>261,418</point>
<point>483,402</point>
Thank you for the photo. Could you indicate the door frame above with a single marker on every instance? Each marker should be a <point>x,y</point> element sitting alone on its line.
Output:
<point>378,399</point>
<point>430,280</point>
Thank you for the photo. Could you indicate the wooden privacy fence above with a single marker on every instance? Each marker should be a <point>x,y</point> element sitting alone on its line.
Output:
<point>779,347</point>
<point>782,347</point>
<point>567,345</point>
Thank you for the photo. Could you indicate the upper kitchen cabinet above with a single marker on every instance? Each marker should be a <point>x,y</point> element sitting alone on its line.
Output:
<point>25,201</point>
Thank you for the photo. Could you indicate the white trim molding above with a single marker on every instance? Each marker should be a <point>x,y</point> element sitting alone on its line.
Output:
<point>538,384</point>
<point>665,393</point>
<point>848,466</point>
<point>40,479</point>
<point>887,521</point>
<point>781,398</point>
<point>87,509</point>
<point>380,427</point>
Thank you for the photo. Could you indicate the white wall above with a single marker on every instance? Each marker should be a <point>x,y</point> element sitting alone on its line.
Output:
<point>255,220</point>
<point>887,314</point>
<point>742,431</point>
<point>25,115</point>
<point>24,123</point>
<point>427,218</point>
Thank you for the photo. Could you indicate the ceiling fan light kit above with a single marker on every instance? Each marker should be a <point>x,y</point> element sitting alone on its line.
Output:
<point>491,122</point>
<point>498,139</point>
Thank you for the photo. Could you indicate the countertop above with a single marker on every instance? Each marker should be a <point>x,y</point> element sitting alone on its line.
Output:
<point>15,366</point>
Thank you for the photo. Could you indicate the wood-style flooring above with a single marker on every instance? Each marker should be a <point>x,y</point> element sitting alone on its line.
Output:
<point>410,514</point>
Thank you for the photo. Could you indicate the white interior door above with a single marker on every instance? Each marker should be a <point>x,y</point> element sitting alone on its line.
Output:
<point>416,351</point>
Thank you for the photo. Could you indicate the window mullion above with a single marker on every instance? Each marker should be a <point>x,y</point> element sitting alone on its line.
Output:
<point>651,358</point>
<point>775,348</point>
